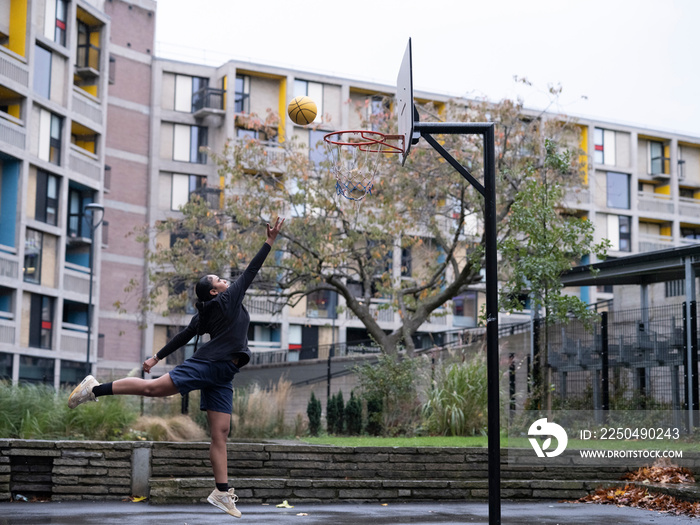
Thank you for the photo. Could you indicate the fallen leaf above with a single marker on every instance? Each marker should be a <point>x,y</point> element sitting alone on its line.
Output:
<point>285,505</point>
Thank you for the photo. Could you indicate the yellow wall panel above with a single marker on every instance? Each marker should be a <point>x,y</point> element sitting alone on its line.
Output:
<point>18,27</point>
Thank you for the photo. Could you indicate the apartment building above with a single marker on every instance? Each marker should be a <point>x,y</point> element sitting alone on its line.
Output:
<point>88,116</point>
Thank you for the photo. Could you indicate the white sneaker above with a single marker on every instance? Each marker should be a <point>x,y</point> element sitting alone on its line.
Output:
<point>226,501</point>
<point>83,392</point>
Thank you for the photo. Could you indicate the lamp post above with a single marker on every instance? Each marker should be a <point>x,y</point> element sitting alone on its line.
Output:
<point>93,209</point>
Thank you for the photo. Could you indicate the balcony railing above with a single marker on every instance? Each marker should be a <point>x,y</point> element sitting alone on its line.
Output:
<point>651,243</point>
<point>73,341</point>
<point>81,163</point>
<point>9,265</point>
<point>87,60</point>
<point>12,134</point>
<point>654,202</point>
<point>689,207</point>
<point>7,331</point>
<point>85,107</point>
<point>266,154</point>
<point>208,100</point>
<point>76,281</point>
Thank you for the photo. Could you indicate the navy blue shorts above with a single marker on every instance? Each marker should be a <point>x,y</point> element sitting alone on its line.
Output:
<point>213,378</point>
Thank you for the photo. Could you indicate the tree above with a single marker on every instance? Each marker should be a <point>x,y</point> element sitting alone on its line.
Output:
<point>425,211</point>
<point>313,411</point>
<point>353,415</point>
<point>546,240</point>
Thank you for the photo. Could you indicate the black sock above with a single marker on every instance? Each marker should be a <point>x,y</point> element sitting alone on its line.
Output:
<point>105,389</point>
<point>223,487</point>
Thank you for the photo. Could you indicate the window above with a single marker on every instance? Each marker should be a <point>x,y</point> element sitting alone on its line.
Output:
<point>618,190</point>
<point>379,111</point>
<point>619,232</point>
<point>322,304</point>
<point>88,55</point>
<point>42,72</point>
<point>33,244</point>
<point>47,186</point>
<point>251,134</point>
<point>242,95</point>
<point>55,21</point>
<point>182,187</point>
<point>199,93</point>
<point>690,233</point>
<point>50,137</point>
<point>318,152</point>
<point>657,160</point>
<point>6,302</point>
<point>5,366</point>
<point>41,321</point>
<point>36,369</point>
<point>406,262</point>
<point>78,223</point>
<point>604,146</point>
<point>314,90</point>
<point>674,288</point>
<point>187,142</point>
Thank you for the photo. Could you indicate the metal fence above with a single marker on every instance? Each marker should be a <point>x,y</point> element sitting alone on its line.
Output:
<point>631,359</point>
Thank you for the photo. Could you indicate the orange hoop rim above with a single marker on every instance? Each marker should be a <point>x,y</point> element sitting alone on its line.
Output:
<point>369,139</point>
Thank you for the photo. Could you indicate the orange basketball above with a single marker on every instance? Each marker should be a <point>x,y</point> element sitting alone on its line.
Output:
<point>302,110</point>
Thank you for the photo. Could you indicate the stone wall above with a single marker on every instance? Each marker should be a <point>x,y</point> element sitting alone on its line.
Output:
<point>267,472</point>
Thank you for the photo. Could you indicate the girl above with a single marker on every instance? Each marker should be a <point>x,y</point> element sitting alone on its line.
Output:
<point>211,369</point>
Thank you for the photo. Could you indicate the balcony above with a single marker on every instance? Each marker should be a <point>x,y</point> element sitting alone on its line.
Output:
<point>76,281</point>
<point>87,62</point>
<point>73,339</point>
<point>263,154</point>
<point>654,202</point>
<point>9,265</point>
<point>7,330</point>
<point>208,101</point>
<point>689,207</point>
<point>652,243</point>
<point>12,132</point>
<point>85,107</point>
<point>83,164</point>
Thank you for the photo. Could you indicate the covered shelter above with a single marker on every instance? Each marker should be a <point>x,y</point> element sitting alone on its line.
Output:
<point>644,269</point>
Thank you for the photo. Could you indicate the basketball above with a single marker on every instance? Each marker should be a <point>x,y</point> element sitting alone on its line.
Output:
<point>302,110</point>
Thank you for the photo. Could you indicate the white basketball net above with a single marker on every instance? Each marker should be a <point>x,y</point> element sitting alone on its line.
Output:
<point>355,165</point>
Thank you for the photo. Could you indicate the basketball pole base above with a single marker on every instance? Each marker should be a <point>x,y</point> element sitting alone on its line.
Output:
<point>488,191</point>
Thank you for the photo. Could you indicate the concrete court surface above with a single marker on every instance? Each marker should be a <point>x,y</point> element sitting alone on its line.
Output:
<point>512,512</point>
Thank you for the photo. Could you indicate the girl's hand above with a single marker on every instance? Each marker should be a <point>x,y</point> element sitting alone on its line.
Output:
<point>148,364</point>
<point>273,231</point>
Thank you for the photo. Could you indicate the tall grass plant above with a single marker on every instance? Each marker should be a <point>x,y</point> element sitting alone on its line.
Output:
<point>457,402</point>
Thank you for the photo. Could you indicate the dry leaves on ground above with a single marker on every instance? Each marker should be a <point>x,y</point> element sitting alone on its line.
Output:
<point>661,473</point>
<point>631,496</point>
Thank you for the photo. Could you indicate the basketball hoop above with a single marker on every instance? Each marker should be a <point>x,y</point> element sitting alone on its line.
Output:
<point>354,159</point>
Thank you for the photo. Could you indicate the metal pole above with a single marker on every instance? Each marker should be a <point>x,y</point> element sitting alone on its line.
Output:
<point>91,208</point>
<point>491,253</point>
<point>488,190</point>
<point>89,319</point>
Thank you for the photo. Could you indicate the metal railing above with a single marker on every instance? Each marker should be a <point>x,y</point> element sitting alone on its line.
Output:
<point>208,98</point>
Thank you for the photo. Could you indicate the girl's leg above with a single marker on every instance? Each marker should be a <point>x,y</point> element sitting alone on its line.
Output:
<point>219,425</point>
<point>160,387</point>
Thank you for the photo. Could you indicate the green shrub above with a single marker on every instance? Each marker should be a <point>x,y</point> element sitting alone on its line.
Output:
<point>375,409</point>
<point>37,411</point>
<point>391,386</point>
<point>457,401</point>
<point>335,417</point>
<point>353,415</point>
<point>313,411</point>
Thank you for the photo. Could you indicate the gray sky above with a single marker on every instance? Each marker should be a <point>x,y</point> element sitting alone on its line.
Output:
<point>626,61</point>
